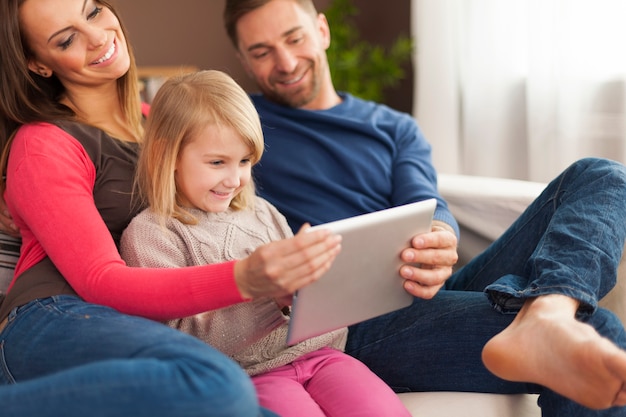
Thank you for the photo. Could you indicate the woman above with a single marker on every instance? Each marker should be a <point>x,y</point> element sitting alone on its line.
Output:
<point>70,105</point>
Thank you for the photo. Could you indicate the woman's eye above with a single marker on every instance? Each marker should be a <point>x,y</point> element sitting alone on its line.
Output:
<point>96,11</point>
<point>66,44</point>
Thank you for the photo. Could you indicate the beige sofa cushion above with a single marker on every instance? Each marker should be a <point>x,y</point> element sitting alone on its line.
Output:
<point>465,404</point>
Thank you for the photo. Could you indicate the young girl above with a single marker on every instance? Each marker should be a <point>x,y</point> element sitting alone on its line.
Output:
<point>194,171</point>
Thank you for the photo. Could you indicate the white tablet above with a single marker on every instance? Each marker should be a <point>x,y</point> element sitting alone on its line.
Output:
<point>364,280</point>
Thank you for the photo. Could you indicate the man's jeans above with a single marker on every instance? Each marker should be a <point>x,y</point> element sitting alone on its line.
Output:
<point>569,241</point>
<point>61,356</point>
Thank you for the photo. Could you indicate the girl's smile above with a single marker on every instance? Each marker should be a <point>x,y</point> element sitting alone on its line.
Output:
<point>213,168</point>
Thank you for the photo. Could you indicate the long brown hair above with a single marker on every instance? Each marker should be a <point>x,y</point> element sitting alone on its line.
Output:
<point>27,97</point>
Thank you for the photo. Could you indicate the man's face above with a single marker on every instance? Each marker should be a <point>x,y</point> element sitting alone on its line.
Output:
<point>284,49</point>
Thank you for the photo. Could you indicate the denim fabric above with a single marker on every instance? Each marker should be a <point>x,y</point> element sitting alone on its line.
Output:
<point>569,241</point>
<point>62,356</point>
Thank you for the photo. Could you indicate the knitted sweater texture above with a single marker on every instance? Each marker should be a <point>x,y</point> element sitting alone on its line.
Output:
<point>253,333</point>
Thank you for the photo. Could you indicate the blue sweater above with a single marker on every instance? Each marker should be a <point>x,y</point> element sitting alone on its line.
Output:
<point>354,158</point>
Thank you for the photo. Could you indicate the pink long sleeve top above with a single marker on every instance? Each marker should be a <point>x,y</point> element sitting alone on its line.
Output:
<point>69,189</point>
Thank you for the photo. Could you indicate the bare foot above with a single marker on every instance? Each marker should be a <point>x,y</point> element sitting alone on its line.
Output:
<point>546,345</point>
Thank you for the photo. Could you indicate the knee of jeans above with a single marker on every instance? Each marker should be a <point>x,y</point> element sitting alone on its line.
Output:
<point>237,393</point>
<point>614,170</point>
<point>619,174</point>
<point>220,380</point>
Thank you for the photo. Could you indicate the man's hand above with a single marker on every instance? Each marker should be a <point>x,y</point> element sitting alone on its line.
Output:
<point>429,261</point>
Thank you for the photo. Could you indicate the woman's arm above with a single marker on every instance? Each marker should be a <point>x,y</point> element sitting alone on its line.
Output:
<point>49,192</point>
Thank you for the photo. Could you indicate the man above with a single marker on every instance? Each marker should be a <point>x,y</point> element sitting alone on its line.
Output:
<point>330,155</point>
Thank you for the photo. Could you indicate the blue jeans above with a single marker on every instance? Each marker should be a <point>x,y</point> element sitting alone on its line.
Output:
<point>569,241</point>
<point>62,356</point>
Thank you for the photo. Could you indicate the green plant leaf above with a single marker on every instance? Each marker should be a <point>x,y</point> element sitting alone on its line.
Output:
<point>359,67</point>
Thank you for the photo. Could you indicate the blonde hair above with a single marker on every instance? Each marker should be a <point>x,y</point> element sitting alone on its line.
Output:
<point>182,107</point>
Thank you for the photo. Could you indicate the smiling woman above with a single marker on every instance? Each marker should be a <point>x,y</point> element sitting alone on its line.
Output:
<point>74,56</point>
<point>69,101</point>
<point>95,34</point>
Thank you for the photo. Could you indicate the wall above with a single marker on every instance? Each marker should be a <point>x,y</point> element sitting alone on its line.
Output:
<point>190,32</point>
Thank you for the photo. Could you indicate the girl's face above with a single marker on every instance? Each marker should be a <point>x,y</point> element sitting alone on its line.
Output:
<point>213,168</point>
<point>80,41</point>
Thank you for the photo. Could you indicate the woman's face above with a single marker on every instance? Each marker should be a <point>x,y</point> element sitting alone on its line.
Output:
<point>80,41</point>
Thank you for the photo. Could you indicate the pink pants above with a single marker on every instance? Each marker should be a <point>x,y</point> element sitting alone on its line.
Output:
<point>327,383</point>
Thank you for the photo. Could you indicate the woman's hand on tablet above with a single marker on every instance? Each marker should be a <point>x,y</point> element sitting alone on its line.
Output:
<point>280,268</point>
<point>429,261</point>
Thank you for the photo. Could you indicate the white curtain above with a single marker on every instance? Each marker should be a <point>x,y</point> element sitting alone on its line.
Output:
<point>520,88</point>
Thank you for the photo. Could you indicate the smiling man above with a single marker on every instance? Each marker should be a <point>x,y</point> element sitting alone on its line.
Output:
<point>330,155</point>
<point>290,65</point>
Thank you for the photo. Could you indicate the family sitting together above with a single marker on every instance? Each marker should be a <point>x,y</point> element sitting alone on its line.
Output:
<point>161,244</point>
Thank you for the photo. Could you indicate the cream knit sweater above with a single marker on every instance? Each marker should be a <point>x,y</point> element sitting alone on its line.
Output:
<point>252,333</point>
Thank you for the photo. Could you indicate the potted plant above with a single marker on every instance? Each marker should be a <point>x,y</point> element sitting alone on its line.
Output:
<point>360,67</point>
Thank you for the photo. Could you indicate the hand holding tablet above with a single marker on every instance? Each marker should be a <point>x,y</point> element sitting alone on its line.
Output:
<point>364,280</point>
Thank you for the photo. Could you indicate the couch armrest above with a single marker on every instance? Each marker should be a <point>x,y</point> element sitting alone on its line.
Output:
<point>487,205</point>
<point>9,254</point>
<point>484,207</point>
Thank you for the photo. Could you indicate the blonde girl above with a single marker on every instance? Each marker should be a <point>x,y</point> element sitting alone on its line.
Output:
<point>195,173</point>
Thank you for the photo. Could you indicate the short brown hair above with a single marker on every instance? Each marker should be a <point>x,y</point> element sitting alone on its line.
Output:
<point>236,9</point>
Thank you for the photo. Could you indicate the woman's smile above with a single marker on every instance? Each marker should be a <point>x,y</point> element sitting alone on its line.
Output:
<point>107,55</point>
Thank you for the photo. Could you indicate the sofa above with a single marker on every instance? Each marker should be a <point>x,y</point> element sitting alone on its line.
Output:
<point>484,208</point>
